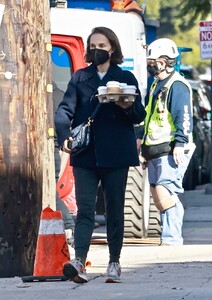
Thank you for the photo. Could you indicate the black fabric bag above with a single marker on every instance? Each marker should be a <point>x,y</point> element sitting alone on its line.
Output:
<point>82,135</point>
<point>155,151</point>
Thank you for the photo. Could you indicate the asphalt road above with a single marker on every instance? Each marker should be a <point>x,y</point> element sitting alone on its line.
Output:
<point>149,272</point>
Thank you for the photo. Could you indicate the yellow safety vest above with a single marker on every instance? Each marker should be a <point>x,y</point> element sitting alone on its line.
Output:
<point>159,126</point>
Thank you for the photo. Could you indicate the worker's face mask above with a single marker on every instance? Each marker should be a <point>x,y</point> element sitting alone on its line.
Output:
<point>99,56</point>
<point>153,69</point>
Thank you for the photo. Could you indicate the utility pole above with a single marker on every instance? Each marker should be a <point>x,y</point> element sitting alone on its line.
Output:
<point>27,180</point>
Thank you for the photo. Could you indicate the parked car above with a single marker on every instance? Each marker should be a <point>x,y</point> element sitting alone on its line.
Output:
<point>198,172</point>
<point>189,72</point>
<point>207,80</point>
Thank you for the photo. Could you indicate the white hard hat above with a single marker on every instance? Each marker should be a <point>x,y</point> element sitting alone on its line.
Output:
<point>162,47</point>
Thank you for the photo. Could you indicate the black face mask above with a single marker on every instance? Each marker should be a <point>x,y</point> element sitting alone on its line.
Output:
<point>99,56</point>
<point>153,70</point>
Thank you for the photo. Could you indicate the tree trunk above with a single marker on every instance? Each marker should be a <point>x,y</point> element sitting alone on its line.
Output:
<point>27,180</point>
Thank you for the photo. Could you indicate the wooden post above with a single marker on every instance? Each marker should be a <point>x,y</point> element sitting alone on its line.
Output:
<point>27,181</point>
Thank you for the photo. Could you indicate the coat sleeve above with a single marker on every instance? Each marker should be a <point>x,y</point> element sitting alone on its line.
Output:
<point>181,110</point>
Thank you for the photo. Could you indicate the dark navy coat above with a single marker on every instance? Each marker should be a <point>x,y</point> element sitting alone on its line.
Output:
<point>113,137</point>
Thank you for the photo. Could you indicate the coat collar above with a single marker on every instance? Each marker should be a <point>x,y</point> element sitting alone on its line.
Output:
<point>90,75</point>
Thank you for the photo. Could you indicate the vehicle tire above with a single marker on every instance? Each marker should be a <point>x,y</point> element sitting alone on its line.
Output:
<point>154,229</point>
<point>151,215</point>
<point>133,225</point>
<point>142,219</point>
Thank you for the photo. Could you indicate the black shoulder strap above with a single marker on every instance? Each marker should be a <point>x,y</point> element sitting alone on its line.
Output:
<point>95,111</point>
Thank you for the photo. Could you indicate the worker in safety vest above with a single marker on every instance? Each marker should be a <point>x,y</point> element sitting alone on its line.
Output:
<point>167,141</point>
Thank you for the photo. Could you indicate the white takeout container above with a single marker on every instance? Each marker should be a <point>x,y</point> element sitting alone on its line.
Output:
<point>102,90</point>
<point>113,87</point>
<point>129,89</point>
<point>115,91</point>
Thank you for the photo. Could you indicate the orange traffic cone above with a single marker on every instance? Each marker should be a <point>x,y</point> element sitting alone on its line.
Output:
<point>52,248</point>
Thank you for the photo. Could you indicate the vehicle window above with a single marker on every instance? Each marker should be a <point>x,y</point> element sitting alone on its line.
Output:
<point>190,73</point>
<point>61,67</point>
<point>196,107</point>
<point>201,104</point>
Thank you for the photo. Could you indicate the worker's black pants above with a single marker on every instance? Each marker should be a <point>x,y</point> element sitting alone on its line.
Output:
<point>113,181</point>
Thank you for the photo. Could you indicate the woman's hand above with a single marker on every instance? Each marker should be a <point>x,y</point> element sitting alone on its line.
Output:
<point>67,145</point>
<point>123,104</point>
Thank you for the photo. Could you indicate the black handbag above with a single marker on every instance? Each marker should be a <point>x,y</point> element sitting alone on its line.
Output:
<point>82,135</point>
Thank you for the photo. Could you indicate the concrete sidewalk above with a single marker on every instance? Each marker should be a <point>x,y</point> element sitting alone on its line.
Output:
<point>149,272</point>
<point>197,228</point>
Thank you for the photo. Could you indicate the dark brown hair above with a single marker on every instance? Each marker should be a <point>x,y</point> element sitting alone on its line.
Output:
<point>117,56</point>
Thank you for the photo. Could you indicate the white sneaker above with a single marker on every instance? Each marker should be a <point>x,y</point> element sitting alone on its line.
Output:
<point>75,271</point>
<point>113,273</point>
